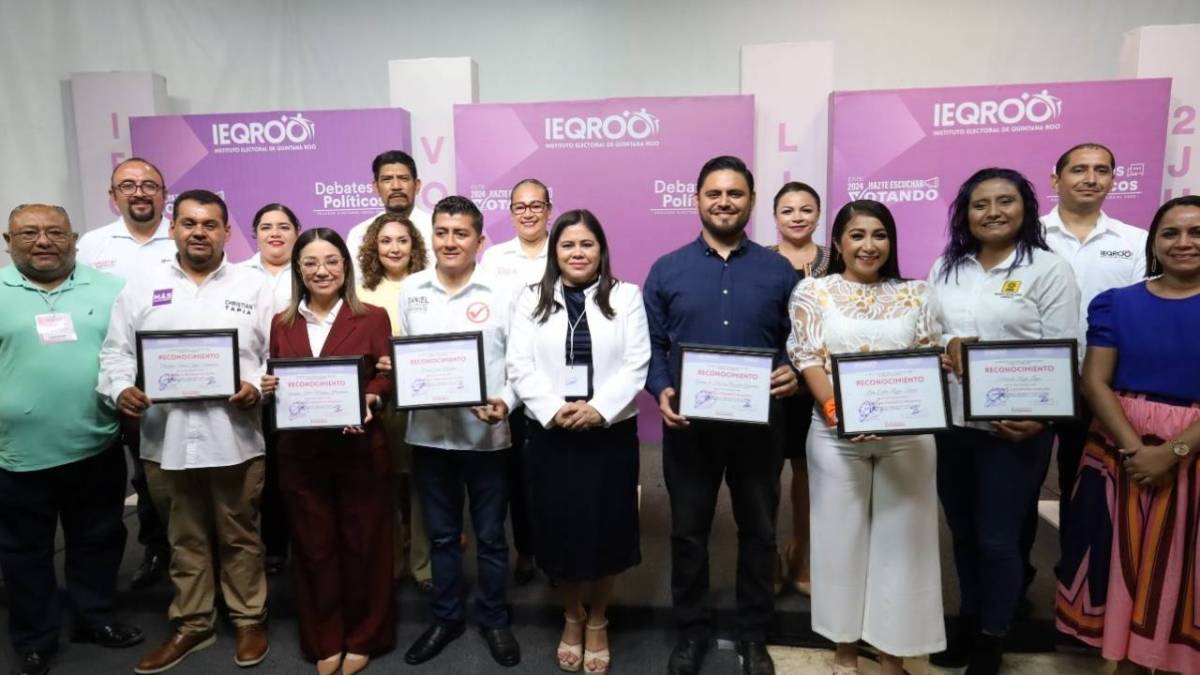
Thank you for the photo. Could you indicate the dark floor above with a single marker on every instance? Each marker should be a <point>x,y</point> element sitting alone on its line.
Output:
<point>640,633</point>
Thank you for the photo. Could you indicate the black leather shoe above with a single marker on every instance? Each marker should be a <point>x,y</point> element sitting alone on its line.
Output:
<point>503,645</point>
<point>433,641</point>
<point>985,655</point>
<point>34,663</point>
<point>688,656</point>
<point>114,635</point>
<point>153,567</point>
<point>754,658</point>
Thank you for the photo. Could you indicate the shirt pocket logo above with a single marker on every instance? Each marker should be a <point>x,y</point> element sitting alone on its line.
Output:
<point>1010,287</point>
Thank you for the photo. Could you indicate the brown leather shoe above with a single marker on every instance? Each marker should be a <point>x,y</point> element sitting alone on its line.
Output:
<point>252,646</point>
<point>170,653</point>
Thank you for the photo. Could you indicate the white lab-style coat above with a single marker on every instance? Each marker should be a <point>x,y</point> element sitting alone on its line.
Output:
<point>537,354</point>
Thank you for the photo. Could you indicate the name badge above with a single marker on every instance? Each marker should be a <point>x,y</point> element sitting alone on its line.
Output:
<point>55,327</point>
<point>575,382</point>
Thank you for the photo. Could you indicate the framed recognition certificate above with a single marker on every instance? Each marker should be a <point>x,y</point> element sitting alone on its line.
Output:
<point>727,384</point>
<point>1020,380</point>
<point>438,371</point>
<point>890,393</point>
<point>318,393</point>
<point>188,365</point>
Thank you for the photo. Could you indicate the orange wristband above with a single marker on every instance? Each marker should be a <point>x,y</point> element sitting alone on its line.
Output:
<point>830,410</point>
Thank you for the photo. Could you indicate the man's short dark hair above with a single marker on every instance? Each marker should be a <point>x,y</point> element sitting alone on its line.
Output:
<point>455,205</point>
<point>725,163</point>
<point>393,157</point>
<point>1066,156</point>
<point>200,197</point>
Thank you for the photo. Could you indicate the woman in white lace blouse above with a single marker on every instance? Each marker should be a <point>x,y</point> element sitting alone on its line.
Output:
<point>875,570</point>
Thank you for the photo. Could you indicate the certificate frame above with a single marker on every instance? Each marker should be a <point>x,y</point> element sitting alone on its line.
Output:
<point>974,414</point>
<point>317,363</point>
<point>838,361</point>
<point>146,336</point>
<point>681,352</point>
<point>400,343</point>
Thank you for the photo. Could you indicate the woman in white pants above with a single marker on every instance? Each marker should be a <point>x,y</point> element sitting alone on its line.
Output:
<point>875,569</point>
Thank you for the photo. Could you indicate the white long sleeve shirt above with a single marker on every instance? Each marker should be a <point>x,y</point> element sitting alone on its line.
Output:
<point>482,304</point>
<point>1036,300</point>
<point>192,434</point>
<point>507,262</point>
<point>537,356</point>
<point>280,282</point>
<point>112,249</point>
<point>1112,256</point>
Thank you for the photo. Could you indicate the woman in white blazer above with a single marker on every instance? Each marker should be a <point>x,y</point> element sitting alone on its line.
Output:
<point>578,353</point>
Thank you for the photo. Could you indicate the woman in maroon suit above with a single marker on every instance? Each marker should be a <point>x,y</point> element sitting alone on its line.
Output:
<point>336,483</point>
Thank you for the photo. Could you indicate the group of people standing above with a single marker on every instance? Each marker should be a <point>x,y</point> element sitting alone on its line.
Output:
<point>359,507</point>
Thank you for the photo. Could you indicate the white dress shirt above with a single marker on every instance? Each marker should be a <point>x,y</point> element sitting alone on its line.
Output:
<point>1035,300</point>
<point>1112,256</point>
<point>620,353</point>
<point>112,249</point>
<point>192,434</point>
<point>318,328</point>
<point>507,262</point>
<point>280,282</point>
<point>482,304</point>
<point>421,218</point>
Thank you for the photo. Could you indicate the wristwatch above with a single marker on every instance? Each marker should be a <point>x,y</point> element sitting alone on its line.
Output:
<point>1181,449</point>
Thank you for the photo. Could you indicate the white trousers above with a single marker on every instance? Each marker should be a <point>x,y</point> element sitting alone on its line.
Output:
<point>876,572</point>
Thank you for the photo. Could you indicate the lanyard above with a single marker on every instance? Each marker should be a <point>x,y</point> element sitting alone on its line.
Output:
<point>57,293</point>
<point>571,334</point>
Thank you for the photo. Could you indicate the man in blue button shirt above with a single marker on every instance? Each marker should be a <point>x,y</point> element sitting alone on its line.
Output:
<point>721,289</point>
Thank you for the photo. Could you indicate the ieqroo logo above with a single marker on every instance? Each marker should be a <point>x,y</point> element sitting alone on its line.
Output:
<point>1026,108</point>
<point>282,131</point>
<point>635,125</point>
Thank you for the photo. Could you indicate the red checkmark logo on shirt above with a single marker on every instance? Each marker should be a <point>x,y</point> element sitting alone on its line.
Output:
<point>478,312</point>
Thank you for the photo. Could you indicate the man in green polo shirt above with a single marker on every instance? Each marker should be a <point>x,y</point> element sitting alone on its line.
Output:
<point>60,455</point>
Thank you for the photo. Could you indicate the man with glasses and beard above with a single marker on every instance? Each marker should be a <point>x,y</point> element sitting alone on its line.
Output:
<point>60,451</point>
<point>724,290</point>
<point>396,183</point>
<point>139,240</point>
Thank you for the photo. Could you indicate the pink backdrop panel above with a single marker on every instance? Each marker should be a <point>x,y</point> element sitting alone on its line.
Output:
<point>317,162</point>
<point>631,161</point>
<point>912,148</point>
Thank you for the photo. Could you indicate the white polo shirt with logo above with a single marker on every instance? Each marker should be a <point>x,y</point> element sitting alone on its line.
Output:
<point>112,249</point>
<point>419,217</point>
<point>482,304</point>
<point>507,262</point>
<point>192,434</point>
<point>1112,256</point>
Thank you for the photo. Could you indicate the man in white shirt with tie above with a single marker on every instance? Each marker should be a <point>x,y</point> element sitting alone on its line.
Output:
<point>1104,253</point>
<point>203,459</point>
<point>458,452</point>
<point>395,178</point>
<point>138,241</point>
<point>517,263</point>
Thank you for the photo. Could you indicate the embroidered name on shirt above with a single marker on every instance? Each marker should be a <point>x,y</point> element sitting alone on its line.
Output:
<point>1116,254</point>
<point>104,264</point>
<point>162,296</point>
<point>418,303</point>
<point>239,307</point>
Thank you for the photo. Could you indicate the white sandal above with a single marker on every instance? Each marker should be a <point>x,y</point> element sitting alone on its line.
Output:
<point>601,659</point>
<point>570,657</point>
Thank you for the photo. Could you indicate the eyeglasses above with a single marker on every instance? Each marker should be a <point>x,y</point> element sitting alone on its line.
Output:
<point>311,265</point>
<point>519,209</point>
<point>129,188</point>
<point>56,235</point>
